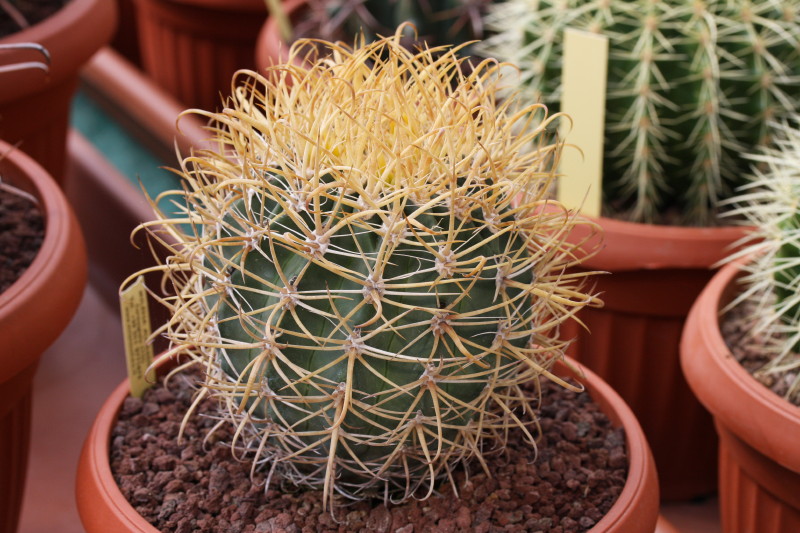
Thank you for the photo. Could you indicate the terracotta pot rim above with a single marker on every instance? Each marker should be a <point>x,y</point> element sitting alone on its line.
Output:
<point>634,246</point>
<point>754,413</point>
<point>677,233</point>
<point>639,495</point>
<point>62,240</point>
<point>54,208</point>
<point>93,20</point>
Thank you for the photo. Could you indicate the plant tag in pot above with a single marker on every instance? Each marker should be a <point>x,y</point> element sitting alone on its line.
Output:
<point>583,99</point>
<point>136,333</point>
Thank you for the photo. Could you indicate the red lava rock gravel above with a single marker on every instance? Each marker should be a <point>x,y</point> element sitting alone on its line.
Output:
<point>751,348</point>
<point>21,236</point>
<point>187,487</point>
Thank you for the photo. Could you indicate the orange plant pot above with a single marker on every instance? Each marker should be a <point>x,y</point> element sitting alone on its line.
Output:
<point>759,456</point>
<point>656,272</point>
<point>191,48</point>
<point>35,106</point>
<point>33,312</point>
<point>103,508</point>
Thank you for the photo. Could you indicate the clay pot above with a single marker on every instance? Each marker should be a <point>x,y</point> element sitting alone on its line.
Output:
<point>34,105</point>
<point>33,313</point>
<point>126,39</point>
<point>103,508</point>
<point>759,432</point>
<point>656,272</point>
<point>191,48</point>
<point>271,49</point>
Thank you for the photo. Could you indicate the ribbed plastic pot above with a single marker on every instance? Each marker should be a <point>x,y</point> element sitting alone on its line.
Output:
<point>35,106</point>
<point>759,454</point>
<point>103,508</point>
<point>655,274</point>
<point>33,312</point>
<point>126,38</point>
<point>192,48</point>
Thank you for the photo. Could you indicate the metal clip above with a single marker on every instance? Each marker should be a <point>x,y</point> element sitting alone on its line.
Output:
<point>24,65</point>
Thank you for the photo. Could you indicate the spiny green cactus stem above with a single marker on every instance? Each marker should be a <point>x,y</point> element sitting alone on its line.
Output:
<point>771,203</point>
<point>437,22</point>
<point>373,267</point>
<point>691,87</point>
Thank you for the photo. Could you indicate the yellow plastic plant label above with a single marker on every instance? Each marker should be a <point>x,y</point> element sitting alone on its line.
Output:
<point>136,331</point>
<point>583,98</point>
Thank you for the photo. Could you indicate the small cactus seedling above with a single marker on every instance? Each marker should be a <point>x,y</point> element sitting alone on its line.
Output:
<point>771,203</point>
<point>369,267</point>
<point>437,22</point>
<point>691,87</point>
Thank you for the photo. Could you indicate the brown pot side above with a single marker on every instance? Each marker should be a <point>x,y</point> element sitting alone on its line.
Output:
<point>756,493</point>
<point>15,430</point>
<point>34,106</point>
<point>759,431</point>
<point>33,313</point>
<point>38,123</point>
<point>654,275</point>
<point>126,38</point>
<point>193,51</point>
<point>103,508</point>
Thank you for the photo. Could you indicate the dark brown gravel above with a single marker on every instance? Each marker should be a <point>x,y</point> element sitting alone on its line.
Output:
<point>21,236</point>
<point>184,488</point>
<point>33,11</point>
<point>752,351</point>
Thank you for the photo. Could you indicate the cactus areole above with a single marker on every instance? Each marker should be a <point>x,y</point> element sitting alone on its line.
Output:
<point>369,268</point>
<point>691,87</point>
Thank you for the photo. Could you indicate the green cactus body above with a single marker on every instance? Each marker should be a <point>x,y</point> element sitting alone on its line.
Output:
<point>375,377</point>
<point>366,295</point>
<point>771,205</point>
<point>691,87</point>
<point>787,274</point>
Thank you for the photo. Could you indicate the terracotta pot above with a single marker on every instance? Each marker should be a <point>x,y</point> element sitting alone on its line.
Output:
<point>656,272</point>
<point>103,508</point>
<point>759,455</point>
<point>126,39</point>
<point>192,48</point>
<point>34,106</point>
<point>271,49</point>
<point>33,313</point>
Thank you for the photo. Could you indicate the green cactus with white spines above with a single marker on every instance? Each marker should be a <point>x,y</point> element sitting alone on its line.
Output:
<point>691,86</point>
<point>770,203</point>
<point>369,267</point>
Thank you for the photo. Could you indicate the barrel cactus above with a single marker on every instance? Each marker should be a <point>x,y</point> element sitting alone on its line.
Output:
<point>691,87</point>
<point>369,267</point>
<point>771,205</point>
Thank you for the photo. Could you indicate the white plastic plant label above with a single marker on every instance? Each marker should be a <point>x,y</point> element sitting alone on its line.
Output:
<point>583,98</point>
<point>136,332</point>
